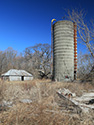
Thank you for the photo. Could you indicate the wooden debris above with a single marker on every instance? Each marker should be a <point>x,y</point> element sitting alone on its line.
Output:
<point>76,102</point>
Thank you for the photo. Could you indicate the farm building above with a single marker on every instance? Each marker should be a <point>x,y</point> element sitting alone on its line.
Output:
<point>17,75</point>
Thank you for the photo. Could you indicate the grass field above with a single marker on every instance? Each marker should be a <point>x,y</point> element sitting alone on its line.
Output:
<point>45,108</point>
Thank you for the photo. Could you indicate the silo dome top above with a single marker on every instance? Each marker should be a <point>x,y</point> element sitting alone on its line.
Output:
<point>64,21</point>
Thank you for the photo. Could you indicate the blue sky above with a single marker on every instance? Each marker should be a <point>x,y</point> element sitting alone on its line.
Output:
<point>24,23</point>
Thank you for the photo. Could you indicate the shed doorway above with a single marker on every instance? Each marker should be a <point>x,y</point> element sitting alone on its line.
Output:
<point>22,78</point>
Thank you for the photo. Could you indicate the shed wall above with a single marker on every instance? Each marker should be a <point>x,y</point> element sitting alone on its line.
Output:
<point>28,78</point>
<point>19,78</point>
<point>15,78</point>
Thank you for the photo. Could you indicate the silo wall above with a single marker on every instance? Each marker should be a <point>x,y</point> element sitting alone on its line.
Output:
<point>63,51</point>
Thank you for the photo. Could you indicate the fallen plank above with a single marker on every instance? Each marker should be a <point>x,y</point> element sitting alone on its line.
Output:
<point>70,103</point>
<point>77,104</point>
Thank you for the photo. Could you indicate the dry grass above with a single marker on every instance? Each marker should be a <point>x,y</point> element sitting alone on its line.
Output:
<point>36,114</point>
<point>44,109</point>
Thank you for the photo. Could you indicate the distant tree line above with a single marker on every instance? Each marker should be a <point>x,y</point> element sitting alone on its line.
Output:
<point>35,60</point>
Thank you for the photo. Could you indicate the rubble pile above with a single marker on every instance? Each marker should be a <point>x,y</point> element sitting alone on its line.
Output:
<point>85,103</point>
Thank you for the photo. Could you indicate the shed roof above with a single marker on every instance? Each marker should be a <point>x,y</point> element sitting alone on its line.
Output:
<point>15,72</point>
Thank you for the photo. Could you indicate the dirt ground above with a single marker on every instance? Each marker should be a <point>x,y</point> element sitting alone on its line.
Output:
<point>36,102</point>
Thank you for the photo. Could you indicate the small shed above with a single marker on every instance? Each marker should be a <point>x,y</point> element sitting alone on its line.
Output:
<point>17,75</point>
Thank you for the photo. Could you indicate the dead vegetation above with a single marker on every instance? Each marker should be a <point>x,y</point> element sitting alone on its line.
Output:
<point>46,107</point>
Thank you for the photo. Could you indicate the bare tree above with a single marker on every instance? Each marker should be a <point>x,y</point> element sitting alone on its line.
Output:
<point>85,64</point>
<point>7,60</point>
<point>2,62</point>
<point>19,62</point>
<point>38,58</point>
<point>10,56</point>
<point>86,31</point>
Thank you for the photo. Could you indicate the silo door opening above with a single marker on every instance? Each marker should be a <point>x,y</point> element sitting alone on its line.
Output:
<point>22,78</point>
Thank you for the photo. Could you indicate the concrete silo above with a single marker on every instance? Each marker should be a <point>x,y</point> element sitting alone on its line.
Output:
<point>64,37</point>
